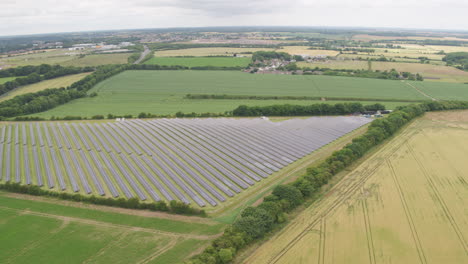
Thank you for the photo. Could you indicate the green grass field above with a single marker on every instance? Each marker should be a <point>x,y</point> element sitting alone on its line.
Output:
<point>201,61</point>
<point>6,79</point>
<point>47,232</point>
<point>162,92</point>
<point>98,59</point>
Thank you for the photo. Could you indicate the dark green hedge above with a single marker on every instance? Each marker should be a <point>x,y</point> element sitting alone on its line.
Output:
<point>288,97</point>
<point>305,110</point>
<point>132,203</point>
<point>255,222</point>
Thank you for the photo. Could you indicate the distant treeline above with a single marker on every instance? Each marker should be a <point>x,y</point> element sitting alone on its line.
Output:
<point>305,110</point>
<point>255,222</point>
<point>388,75</point>
<point>457,59</point>
<point>270,55</point>
<point>35,74</point>
<point>132,203</point>
<point>286,97</point>
<point>177,46</point>
<point>128,116</point>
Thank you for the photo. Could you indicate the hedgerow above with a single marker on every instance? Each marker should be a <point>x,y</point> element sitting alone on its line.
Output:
<point>175,207</point>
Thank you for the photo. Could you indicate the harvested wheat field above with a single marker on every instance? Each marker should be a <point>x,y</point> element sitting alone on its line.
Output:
<point>404,204</point>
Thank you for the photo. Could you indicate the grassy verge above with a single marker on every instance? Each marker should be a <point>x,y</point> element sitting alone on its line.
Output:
<point>167,225</point>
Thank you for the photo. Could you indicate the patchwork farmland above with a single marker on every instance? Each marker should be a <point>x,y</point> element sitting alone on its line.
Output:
<point>201,161</point>
<point>163,92</point>
<point>404,204</point>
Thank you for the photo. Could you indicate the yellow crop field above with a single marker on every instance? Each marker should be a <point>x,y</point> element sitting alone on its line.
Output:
<point>52,83</point>
<point>304,50</point>
<point>404,204</point>
<point>435,48</point>
<point>201,52</point>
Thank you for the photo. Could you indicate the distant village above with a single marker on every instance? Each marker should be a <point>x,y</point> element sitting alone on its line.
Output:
<point>280,66</point>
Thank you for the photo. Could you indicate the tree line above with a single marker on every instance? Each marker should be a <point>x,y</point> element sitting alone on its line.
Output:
<point>288,97</point>
<point>175,207</point>
<point>35,74</point>
<point>387,75</point>
<point>270,55</point>
<point>305,110</point>
<point>457,59</point>
<point>255,222</point>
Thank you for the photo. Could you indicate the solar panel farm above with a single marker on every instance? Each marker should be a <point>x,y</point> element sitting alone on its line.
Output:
<point>194,161</point>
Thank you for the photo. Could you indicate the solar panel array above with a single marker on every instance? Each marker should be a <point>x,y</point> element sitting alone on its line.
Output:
<point>202,161</point>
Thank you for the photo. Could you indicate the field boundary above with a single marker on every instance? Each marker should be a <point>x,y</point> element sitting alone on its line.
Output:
<point>111,225</point>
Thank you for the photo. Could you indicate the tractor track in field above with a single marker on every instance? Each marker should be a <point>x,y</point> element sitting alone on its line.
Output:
<point>110,225</point>
<point>406,209</point>
<point>348,192</point>
<point>421,92</point>
<point>159,252</point>
<point>440,199</point>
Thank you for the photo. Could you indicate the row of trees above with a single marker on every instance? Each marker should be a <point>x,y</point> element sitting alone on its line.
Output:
<point>270,55</point>
<point>305,110</point>
<point>457,59</point>
<point>34,74</point>
<point>388,75</point>
<point>288,97</point>
<point>243,110</point>
<point>175,207</point>
<point>256,222</point>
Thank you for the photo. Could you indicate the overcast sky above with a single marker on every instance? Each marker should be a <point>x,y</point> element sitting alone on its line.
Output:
<point>47,16</point>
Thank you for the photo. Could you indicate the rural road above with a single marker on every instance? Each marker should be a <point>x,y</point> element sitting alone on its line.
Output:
<point>143,55</point>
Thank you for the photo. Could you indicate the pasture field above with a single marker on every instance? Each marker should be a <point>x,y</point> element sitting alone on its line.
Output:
<point>450,91</point>
<point>409,53</point>
<point>366,37</point>
<point>404,204</point>
<point>98,59</point>
<point>304,50</point>
<point>51,231</point>
<point>431,72</point>
<point>203,52</point>
<point>201,61</point>
<point>64,57</point>
<point>164,159</point>
<point>6,79</point>
<point>59,82</point>
<point>47,57</point>
<point>163,92</point>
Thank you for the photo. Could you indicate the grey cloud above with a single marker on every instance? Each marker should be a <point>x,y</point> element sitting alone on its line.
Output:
<point>33,16</point>
<point>219,8</point>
